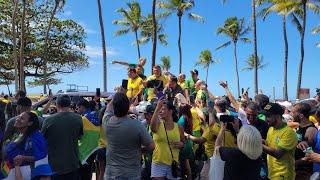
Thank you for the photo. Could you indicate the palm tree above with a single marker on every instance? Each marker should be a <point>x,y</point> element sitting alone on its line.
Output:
<point>235,29</point>
<point>283,8</point>
<point>166,63</point>
<point>154,34</point>
<point>180,7</point>
<point>104,51</point>
<point>132,21</point>
<point>14,44</point>
<point>21,62</point>
<point>250,63</point>
<point>304,5</point>
<point>316,30</point>
<point>255,48</point>
<point>146,33</point>
<point>205,60</point>
<point>58,4</point>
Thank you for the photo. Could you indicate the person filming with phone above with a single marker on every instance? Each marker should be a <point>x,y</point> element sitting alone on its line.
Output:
<point>155,83</point>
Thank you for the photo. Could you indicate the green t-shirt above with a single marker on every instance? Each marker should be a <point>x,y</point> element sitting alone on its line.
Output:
<point>62,132</point>
<point>190,86</point>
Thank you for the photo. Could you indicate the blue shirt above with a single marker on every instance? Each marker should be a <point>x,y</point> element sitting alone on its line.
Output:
<point>316,166</point>
<point>35,145</point>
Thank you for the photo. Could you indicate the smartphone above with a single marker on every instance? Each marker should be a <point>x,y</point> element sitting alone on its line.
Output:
<point>50,92</point>
<point>226,118</point>
<point>98,92</point>
<point>210,103</point>
<point>124,83</point>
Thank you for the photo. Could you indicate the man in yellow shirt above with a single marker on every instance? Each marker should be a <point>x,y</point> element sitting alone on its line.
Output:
<point>157,75</point>
<point>280,144</point>
<point>135,86</point>
<point>182,81</point>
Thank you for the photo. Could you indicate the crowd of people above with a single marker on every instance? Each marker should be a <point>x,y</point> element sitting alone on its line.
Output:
<point>160,127</point>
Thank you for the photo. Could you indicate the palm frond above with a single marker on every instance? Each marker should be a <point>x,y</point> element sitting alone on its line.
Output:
<point>163,39</point>
<point>187,6</point>
<point>295,21</point>
<point>224,45</point>
<point>143,40</point>
<point>121,22</point>
<point>196,17</point>
<point>313,7</point>
<point>122,32</point>
<point>316,30</point>
<point>245,40</point>
<point>163,15</point>
<point>163,5</point>
<point>245,31</point>
<point>166,62</point>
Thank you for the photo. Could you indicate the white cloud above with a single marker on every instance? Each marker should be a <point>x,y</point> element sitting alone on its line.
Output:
<point>96,51</point>
<point>87,29</point>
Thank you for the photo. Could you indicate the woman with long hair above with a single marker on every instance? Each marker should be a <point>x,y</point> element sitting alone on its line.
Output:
<point>186,154</point>
<point>169,139</point>
<point>27,148</point>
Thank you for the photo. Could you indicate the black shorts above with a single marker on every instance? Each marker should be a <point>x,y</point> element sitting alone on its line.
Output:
<point>101,154</point>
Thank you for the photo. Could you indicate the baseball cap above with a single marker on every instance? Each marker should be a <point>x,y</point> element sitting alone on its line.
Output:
<point>273,109</point>
<point>194,71</point>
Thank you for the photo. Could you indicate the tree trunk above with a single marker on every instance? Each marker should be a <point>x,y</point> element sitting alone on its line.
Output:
<point>286,52</point>
<point>207,74</point>
<point>255,51</point>
<point>302,50</point>
<point>104,51</point>
<point>14,44</point>
<point>154,35</point>
<point>137,41</point>
<point>179,45</point>
<point>237,71</point>
<point>45,55</point>
<point>21,68</point>
<point>9,90</point>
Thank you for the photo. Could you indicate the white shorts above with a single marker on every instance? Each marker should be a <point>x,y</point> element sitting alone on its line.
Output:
<point>161,170</point>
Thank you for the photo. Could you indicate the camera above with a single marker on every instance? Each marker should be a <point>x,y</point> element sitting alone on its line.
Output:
<point>156,84</point>
<point>226,118</point>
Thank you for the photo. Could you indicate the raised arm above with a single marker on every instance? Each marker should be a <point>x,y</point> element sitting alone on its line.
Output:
<point>230,96</point>
<point>121,63</point>
<point>154,125</point>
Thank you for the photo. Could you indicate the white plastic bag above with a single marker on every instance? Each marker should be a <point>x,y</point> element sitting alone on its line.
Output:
<point>216,168</point>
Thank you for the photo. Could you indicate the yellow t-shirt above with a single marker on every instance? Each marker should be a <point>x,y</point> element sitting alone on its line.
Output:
<point>134,87</point>
<point>211,134</point>
<point>6,101</point>
<point>151,94</point>
<point>284,138</point>
<point>196,122</point>
<point>313,119</point>
<point>201,94</point>
<point>183,85</point>
<point>161,153</point>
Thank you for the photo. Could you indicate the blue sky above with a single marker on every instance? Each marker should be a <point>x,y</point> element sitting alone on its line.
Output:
<point>195,38</point>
